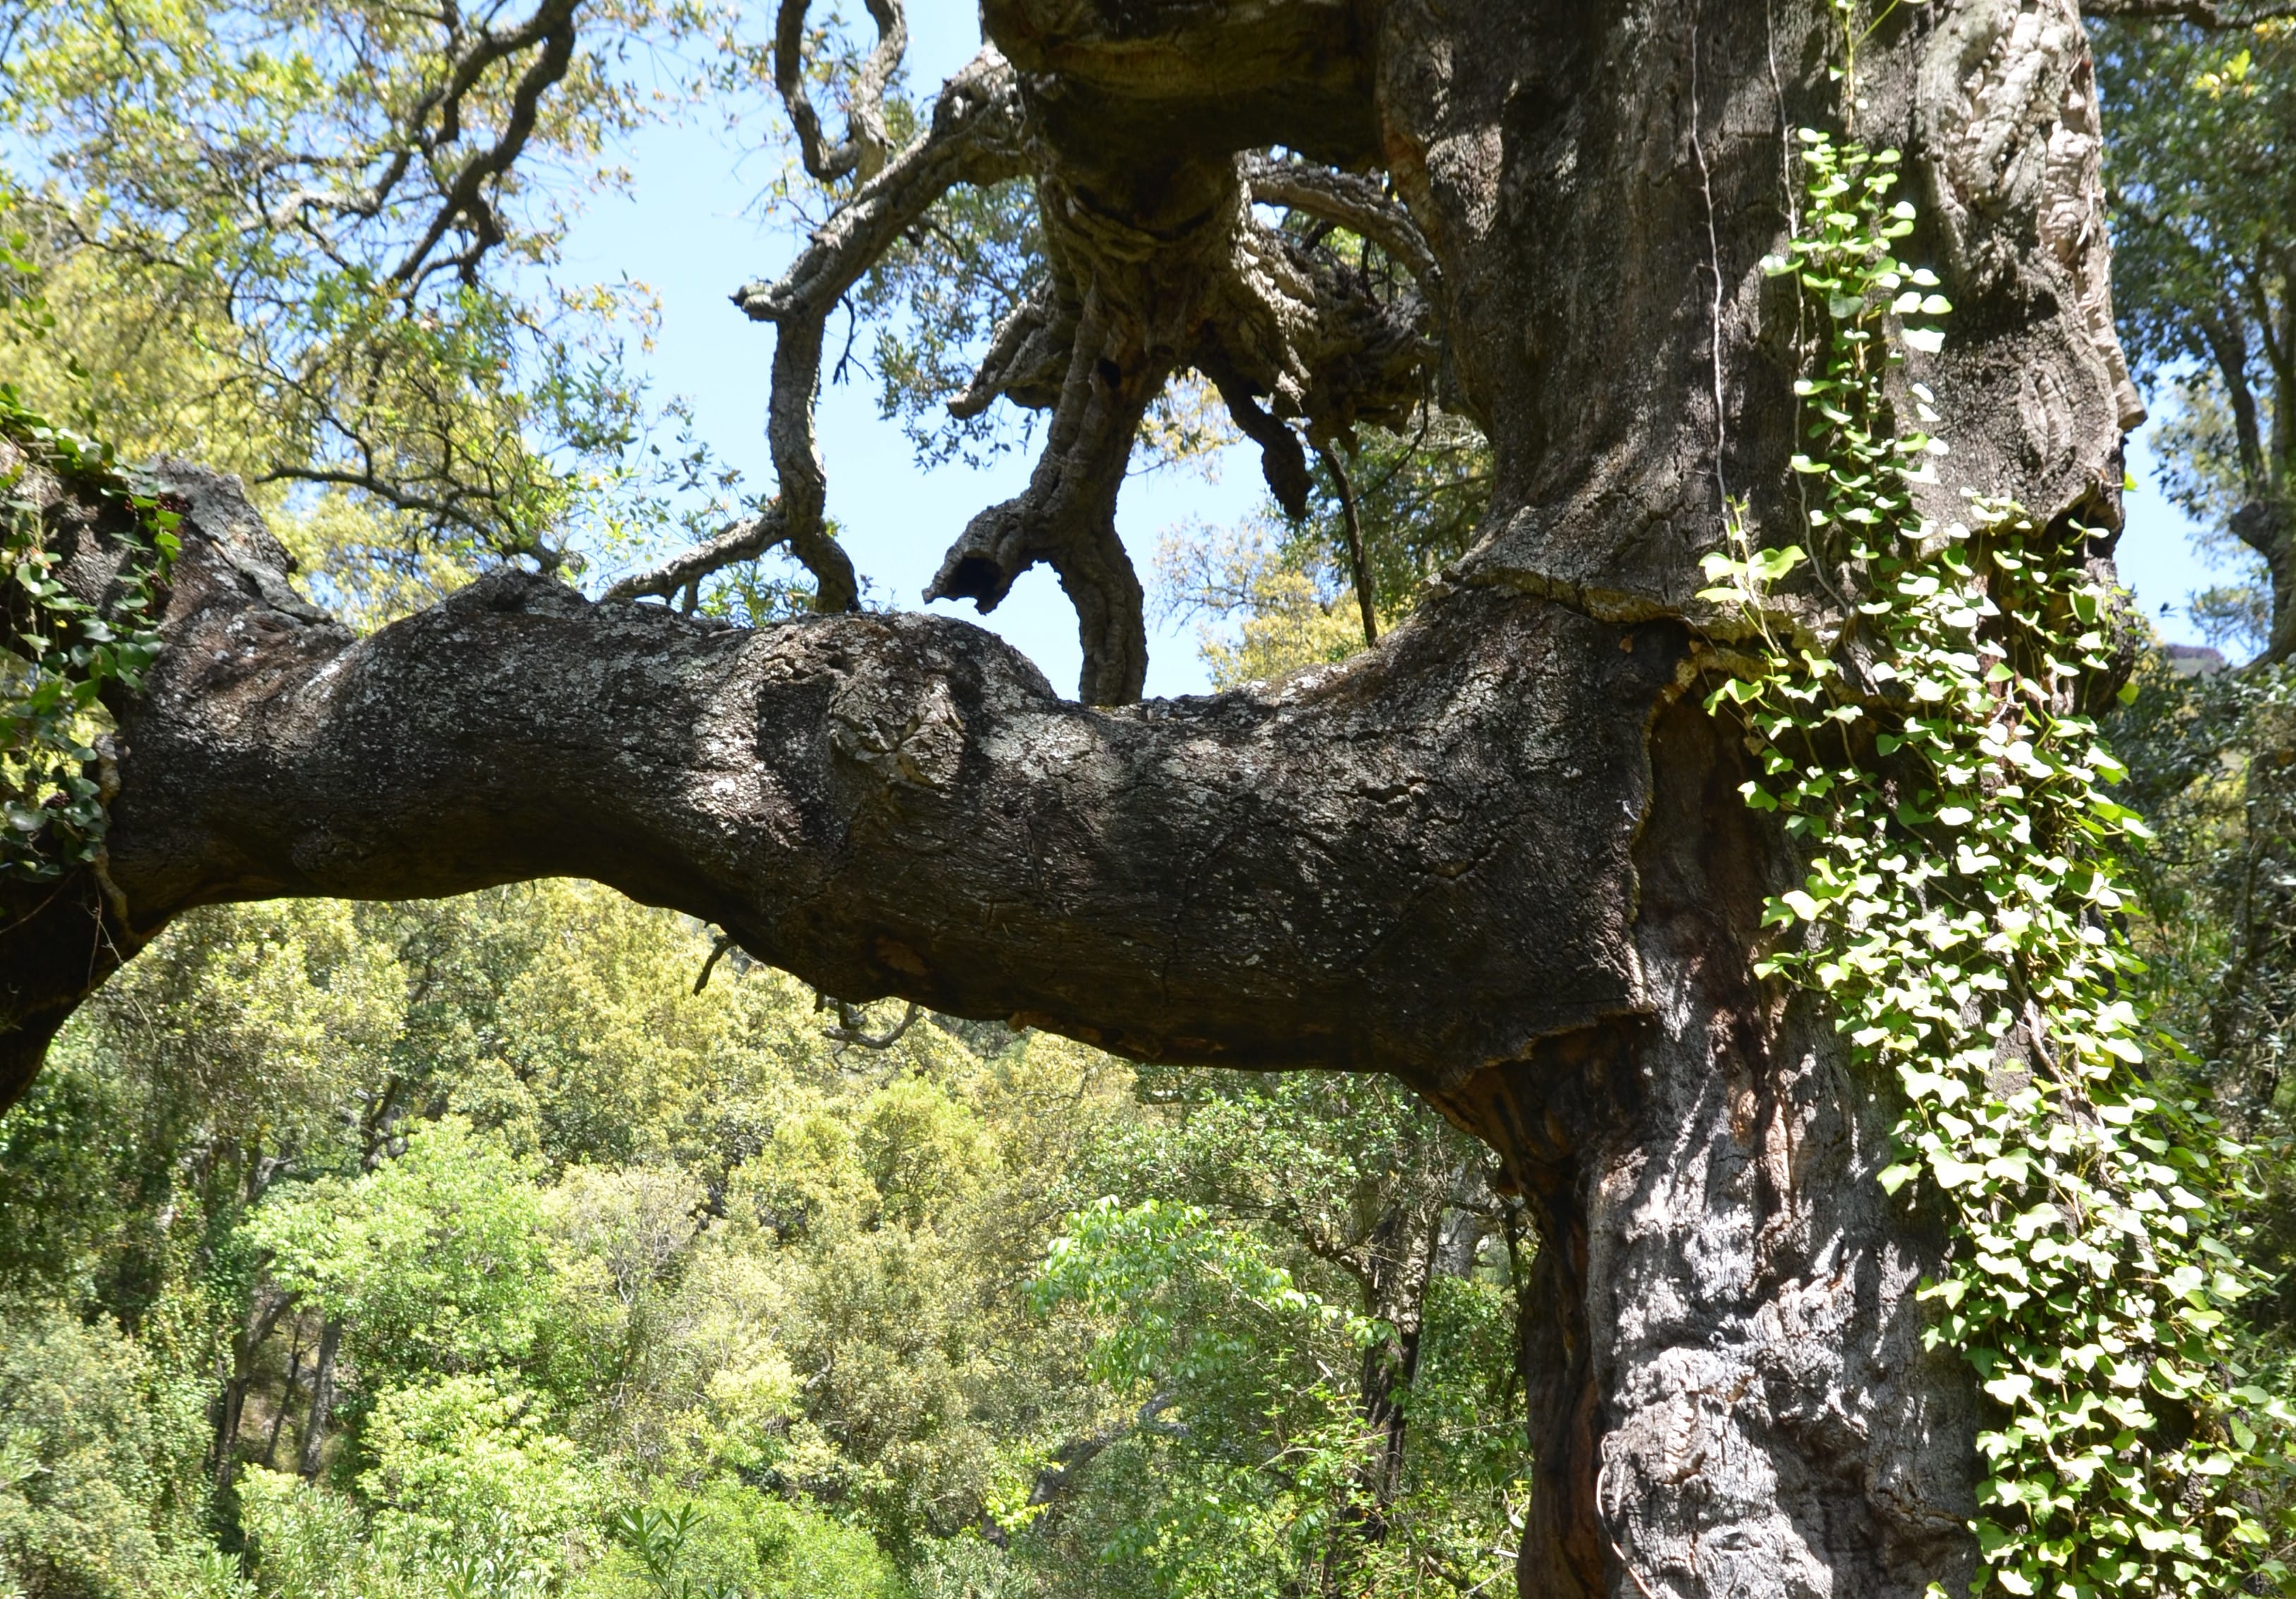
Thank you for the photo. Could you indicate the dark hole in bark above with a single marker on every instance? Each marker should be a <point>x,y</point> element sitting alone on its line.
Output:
<point>974,577</point>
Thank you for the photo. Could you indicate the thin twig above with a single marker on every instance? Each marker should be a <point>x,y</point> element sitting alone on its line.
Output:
<point>1330,460</point>
<point>724,942</point>
<point>850,1029</point>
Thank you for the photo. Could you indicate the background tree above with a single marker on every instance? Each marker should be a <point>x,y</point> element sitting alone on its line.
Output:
<point>2202,223</point>
<point>796,1301</point>
<point>2197,116</point>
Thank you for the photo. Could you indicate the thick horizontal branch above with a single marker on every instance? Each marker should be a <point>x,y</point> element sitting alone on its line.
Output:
<point>1417,862</point>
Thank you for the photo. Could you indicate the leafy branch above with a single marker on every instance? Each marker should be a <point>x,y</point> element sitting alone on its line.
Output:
<point>61,653</point>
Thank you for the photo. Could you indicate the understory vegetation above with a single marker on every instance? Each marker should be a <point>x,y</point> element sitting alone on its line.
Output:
<point>463,1249</point>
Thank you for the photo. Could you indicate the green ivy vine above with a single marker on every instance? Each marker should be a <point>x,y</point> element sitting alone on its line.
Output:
<point>59,653</point>
<point>1959,915</point>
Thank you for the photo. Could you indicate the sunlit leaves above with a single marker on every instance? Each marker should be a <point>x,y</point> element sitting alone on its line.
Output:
<point>2203,187</point>
<point>1957,914</point>
<point>60,654</point>
<point>317,243</point>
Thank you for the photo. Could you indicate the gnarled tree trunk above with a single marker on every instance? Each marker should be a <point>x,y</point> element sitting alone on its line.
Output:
<point>1502,855</point>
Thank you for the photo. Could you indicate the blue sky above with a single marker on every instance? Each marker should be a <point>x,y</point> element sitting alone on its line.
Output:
<point>2156,557</point>
<point>686,231</point>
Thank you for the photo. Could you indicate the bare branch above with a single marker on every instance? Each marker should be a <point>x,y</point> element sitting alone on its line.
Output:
<point>1067,515</point>
<point>862,153</point>
<point>1028,356</point>
<point>1071,1457</point>
<point>974,138</point>
<point>1282,463</point>
<point>850,1026</point>
<point>1258,312</point>
<point>717,948</point>
<point>1353,201</point>
<point>1314,338</point>
<point>552,26</point>
<point>745,540</point>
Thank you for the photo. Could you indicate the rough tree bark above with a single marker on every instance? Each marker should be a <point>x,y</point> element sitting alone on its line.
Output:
<point>310,1449</point>
<point>1502,855</point>
<point>1397,1264</point>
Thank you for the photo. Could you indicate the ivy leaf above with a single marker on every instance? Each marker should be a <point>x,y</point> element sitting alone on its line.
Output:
<point>2011,1390</point>
<point>1770,565</point>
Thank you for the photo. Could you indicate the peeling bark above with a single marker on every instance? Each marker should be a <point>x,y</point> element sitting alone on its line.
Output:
<point>1729,1394</point>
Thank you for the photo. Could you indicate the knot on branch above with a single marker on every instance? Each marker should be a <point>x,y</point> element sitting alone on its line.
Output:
<point>1287,330</point>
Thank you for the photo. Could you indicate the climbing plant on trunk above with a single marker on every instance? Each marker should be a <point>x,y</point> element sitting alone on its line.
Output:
<point>1959,913</point>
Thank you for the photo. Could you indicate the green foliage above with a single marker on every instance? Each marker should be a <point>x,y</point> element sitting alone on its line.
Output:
<point>1288,587</point>
<point>462,1467</point>
<point>217,1061</point>
<point>1287,614</point>
<point>1153,1262</point>
<point>1246,1281</point>
<point>60,654</point>
<point>1958,916</point>
<point>235,214</point>
<point>1420,494</point>
<point>935,295</point>
<point>1225,1347</point>
<point>597,1245</point>
<point>1239,1462</point>
<point>733,1540</point>
<point>97,1438</point>
<point>2208,767</point>
<point>306,1542</point>
<point>2203,197</point>
<point>433,1258</point>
